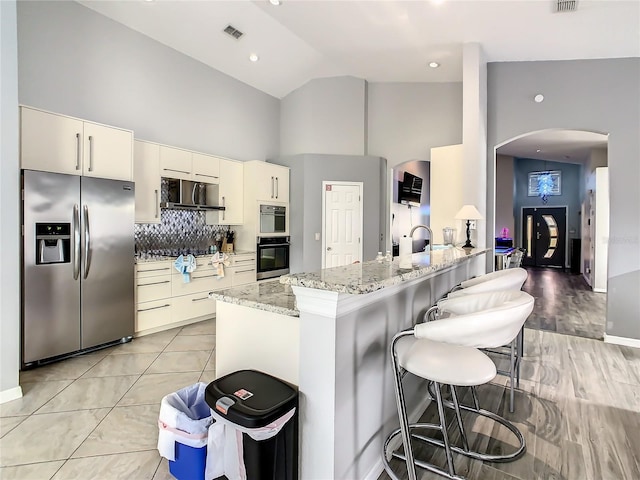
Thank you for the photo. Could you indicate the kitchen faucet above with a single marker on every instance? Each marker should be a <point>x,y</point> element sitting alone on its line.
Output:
<point>428,230</point>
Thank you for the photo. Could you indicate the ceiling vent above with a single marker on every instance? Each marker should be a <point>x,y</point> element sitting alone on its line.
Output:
<point>566,5</point>
<point>232,31</point>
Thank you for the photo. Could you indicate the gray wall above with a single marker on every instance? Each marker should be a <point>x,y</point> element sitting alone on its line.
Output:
<point>594,95</point>
<point>504,196</point>
<point>75,61</point>
<point>308,172</point>
<point>571,197</point>
<point>405,120</point>
<point>9,198</point>
<point>326,115</point>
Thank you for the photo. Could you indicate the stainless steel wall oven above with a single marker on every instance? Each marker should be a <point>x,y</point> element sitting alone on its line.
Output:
<point>273,257</point>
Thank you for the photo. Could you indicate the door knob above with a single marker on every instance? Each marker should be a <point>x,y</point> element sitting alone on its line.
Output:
<point>328,249</point>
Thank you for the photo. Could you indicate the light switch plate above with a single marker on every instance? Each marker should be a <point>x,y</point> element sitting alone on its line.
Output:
<point>317,236</point>
<point>472,224</point>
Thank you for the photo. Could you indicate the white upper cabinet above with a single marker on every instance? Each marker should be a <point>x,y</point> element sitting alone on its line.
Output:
<point>108,152</point>
<point>205,168</point>
<point>55,143</point>
<point>230,194</point>
<point>270,182</point>
<point>175,162</point>
<point>146,174</point>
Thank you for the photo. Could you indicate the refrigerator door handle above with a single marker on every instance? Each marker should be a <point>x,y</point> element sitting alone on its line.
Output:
<point>87,243</point>
<point>76,242</point>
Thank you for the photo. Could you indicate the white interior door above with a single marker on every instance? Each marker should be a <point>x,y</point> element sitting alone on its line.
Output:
<point>342,212</point>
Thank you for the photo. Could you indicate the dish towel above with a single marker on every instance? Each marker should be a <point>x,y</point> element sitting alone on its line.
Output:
<point>185,265</point>
<point>220,260</point>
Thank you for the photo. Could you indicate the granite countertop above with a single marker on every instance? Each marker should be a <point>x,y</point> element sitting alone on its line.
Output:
<point>370,276</point>
<point>270,296</point>
<point>161,258</point>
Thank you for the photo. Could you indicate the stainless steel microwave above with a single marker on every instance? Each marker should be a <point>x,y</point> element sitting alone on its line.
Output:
<point>273,219</point>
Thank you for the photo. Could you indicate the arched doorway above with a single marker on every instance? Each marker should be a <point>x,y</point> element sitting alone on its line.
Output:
<point>566,230</point>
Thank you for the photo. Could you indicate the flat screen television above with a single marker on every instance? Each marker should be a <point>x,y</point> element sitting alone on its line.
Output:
<point>410,190</point>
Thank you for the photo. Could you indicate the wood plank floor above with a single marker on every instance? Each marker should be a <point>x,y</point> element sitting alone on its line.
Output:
<point>565,304</point>
<point>578,405</point>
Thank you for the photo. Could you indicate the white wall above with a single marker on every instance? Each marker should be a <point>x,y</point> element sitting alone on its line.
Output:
<point>447,168</point>
<point>75,61</point>
<point>406,120</point>
<point>474,136</point>
<point>326,116</point>
<point>504,196</point>
<point>601,237</point>
<point>9,198</point>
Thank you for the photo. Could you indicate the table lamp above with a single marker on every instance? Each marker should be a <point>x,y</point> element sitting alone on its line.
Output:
<point>468,212</point>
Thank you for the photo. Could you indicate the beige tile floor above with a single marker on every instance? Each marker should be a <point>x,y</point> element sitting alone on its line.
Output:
<point>95,416</point>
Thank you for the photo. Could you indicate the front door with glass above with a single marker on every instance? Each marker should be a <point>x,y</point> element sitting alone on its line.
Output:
<point>544,236</point>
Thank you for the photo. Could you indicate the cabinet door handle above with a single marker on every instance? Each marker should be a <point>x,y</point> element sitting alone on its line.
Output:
<point>198,299</point>
<point>247,260</point>
<point>272,187</point>
<point>172,170</point>
<point>154,308</point>
<point>157,204</point>
<point>245,271</point>
<point>203,175</point>
<point>77,151</point>
<point>203,276</point>
<point>90,153</point>
<point>154,270</point>
<point>155,283</point>
<point>223,212</point>
<point>277,187</point>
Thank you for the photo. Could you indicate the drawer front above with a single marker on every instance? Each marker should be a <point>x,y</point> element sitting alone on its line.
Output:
<point>151,269</point>
<point>244,261</point>
<point>187,307</point>
<point>153,314</point>
<point>243,276</point>
<point>153,288</point>
<point>200,282</point>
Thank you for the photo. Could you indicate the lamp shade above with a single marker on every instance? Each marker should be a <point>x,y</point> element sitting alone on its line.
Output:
<point>468,212</point>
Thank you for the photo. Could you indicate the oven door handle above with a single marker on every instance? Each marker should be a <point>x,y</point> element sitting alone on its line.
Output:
<point>274,245</point>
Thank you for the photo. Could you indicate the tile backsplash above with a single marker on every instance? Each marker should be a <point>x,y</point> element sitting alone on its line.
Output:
<point>179,232</point>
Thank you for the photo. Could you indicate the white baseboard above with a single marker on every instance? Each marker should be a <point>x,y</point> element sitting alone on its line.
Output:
<point>628,342</point>
<point>600,290</point>
<point>11,394</point>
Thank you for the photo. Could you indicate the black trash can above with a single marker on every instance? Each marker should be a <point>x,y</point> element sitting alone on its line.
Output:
<point>254,399</point>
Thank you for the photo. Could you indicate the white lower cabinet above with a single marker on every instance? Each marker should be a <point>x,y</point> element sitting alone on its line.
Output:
<point>152,315</point>
<point>163,299</point>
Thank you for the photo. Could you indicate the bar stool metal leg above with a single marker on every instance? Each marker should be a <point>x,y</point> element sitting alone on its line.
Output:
<point>463,433</point>
<point>445,434</point>
<point>402,413</point>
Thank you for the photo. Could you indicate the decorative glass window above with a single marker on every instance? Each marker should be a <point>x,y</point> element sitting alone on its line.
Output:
<point>544,184</point>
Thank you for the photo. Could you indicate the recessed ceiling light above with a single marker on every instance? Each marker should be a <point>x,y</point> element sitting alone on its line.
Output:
<point>538,98</point>
<point>275,2</point>
<point>434,64</point>
<point>254,57</point>
<point>538,151</point>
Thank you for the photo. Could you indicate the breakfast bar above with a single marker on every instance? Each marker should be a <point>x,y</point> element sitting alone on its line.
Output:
<point>328,332</point>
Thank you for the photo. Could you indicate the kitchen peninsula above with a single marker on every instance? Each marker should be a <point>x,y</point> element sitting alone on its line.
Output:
<point>333,343</point>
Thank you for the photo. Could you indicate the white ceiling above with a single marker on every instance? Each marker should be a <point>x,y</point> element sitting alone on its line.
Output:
<point>384,40</point>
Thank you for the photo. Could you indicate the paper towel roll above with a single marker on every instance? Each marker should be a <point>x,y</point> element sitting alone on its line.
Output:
<point>405,250</point>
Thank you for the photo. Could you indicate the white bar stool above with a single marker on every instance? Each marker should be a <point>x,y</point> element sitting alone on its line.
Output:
<point>509,279</point>
<point>495,319</point>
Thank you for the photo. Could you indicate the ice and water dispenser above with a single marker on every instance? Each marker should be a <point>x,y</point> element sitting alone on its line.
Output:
<point>53,243</point>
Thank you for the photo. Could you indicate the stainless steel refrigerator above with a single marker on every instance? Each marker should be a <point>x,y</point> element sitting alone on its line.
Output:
<point>78,264</point>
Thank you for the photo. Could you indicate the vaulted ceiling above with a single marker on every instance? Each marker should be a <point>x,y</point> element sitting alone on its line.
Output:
<point>385,40</point>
